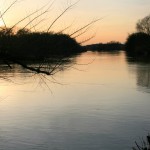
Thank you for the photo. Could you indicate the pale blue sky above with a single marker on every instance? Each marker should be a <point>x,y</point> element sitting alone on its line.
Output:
<point>120,16</point>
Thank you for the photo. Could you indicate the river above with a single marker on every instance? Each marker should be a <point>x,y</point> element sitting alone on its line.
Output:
<point>100,102</point>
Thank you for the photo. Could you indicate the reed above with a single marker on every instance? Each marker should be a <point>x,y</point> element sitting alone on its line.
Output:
<point>144,144</point>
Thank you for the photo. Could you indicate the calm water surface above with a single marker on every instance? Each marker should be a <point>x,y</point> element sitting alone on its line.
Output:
<point>102,103</point>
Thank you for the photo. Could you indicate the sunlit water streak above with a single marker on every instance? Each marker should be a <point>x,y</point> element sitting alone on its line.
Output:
<point>104,106</point>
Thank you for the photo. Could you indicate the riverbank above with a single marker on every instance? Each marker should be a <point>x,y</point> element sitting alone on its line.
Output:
<point>37,45</point>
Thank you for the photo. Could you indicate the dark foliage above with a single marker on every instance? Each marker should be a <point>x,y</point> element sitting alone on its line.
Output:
<point>111,46</point>
<point>138,44</point>
<point>28,45</point>
<point>24,46</point>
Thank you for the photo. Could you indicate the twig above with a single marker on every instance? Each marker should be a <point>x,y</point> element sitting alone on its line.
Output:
<point>81,33</point>
<point>30,15</point>
<point>88,39</point>
<point>3,19</point>
<point>87,25</point>
<point>69,7</point>
<point>34,19</point>
<point>8,8</point>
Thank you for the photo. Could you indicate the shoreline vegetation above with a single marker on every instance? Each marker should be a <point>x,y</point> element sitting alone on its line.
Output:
<point>28,45</point>
<point>50,50</point>
<point>16,46</point>
<point>110,46</point>
<point>138,44</point>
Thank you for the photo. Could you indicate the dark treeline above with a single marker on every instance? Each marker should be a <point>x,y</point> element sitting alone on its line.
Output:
<point>49,51</point>
<point>24,45</point>
<point>111,46</point>
<point>29,45</point>
<point>138,43</point>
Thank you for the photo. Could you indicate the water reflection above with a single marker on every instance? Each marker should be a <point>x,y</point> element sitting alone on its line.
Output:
<point>50,65</point>
<point>99,108</point>
<point>141,68</point>
<point>143,77</point>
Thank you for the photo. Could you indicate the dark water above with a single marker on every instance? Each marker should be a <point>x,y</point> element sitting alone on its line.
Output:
<point>102,102</point>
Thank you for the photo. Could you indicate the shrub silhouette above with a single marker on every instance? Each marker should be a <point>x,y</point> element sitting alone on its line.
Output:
<point>138,44</point>
<point>26,44</point>
<point>110,46</point>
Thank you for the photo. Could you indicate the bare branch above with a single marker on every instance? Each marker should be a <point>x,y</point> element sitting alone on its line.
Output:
<point>37,24</point>
<point>66,27</point>
<point>34,19</point>
<point>87,25</point>
<point>69,7</point>
<point>3,20</point>
<point>143,25</point>
<point>32,14</point>
<point>82,33</point>
<point>87,39</point>
<point>33,69</point>
<point>10,6</point>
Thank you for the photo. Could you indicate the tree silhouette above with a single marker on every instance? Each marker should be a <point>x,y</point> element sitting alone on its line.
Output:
<point>143,25</point>
<point>138,44</point>
<point>20,46</point>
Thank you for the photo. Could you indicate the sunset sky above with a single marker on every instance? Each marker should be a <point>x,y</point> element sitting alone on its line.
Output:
<point>118,16</point>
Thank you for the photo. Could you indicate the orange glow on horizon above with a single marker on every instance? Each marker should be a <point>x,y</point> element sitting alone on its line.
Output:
<point>118,18</point>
